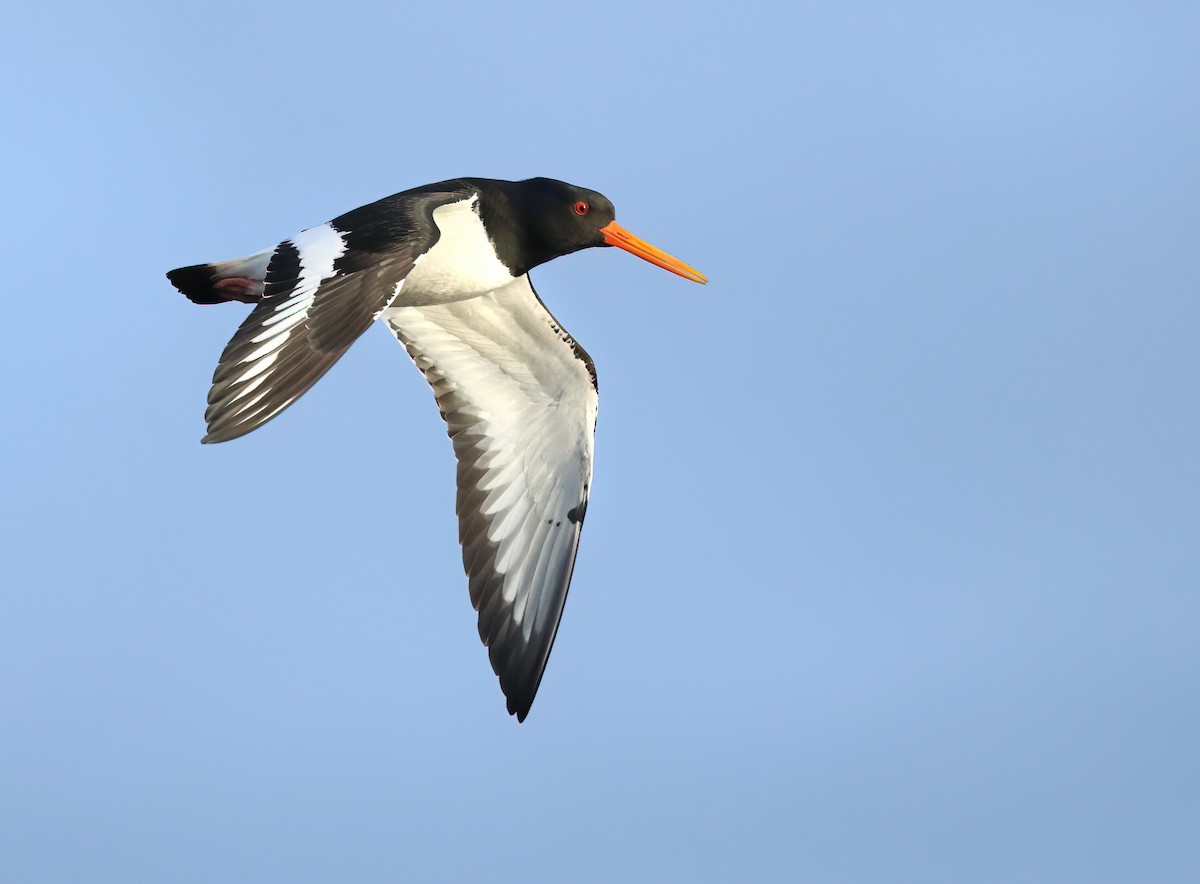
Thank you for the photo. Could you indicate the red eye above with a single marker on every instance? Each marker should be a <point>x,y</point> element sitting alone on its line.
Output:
<point>581,208</point>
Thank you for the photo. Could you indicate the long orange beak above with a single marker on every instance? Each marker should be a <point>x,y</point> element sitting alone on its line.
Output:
<point>616,235</point>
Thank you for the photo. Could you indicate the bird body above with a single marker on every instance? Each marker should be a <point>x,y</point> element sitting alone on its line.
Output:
<point>445,267</point>
<point>462,264</point>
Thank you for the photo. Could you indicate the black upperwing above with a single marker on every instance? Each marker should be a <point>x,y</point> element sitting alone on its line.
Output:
<point>320,290</point>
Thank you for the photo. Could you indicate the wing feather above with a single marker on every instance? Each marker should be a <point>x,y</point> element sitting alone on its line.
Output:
<point>519,400</point>
<point>321,290</point>
<point>309,316</point>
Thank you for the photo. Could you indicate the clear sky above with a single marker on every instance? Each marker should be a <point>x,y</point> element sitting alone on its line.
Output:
<point>892,564</point>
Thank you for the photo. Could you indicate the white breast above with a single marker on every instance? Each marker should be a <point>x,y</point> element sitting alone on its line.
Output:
<point>463,263</point>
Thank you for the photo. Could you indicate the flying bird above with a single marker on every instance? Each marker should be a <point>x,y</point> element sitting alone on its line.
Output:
<point>446,268</point>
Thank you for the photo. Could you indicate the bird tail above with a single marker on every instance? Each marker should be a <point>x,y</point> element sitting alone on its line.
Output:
<point>240,279</point>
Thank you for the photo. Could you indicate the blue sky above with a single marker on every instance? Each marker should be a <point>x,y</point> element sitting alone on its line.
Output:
<point>891,568</point>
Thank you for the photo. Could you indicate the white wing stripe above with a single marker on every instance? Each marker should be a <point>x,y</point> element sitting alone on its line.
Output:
<point>259,366</point>
<point>273,344</point>
<point>284,322</point>
<point>318,247</point>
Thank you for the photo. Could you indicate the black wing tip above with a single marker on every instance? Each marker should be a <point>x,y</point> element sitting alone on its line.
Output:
<point>517,692</point>
<point>519,706</point>
<point>519,680</point>
<point>520,690</point>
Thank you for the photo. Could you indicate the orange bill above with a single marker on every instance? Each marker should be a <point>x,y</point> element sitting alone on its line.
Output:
<point>616,235</point>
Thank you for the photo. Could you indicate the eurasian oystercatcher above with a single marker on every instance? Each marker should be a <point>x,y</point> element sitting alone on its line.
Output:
<point>446,267</point>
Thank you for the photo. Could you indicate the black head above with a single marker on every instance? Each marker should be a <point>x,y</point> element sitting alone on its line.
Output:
<point>540,219</point>
<point>556,218</point>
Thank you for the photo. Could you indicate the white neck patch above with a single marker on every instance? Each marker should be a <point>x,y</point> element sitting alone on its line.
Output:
<point>462,264</point>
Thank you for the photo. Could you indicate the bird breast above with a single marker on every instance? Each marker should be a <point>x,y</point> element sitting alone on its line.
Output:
<point>462,264</point>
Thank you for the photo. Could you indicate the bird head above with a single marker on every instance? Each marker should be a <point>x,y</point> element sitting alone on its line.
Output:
<point>563,218</point>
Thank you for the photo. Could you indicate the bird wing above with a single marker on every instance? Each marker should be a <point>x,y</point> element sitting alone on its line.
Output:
<point>519,399</point>
<point>322,289</point>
